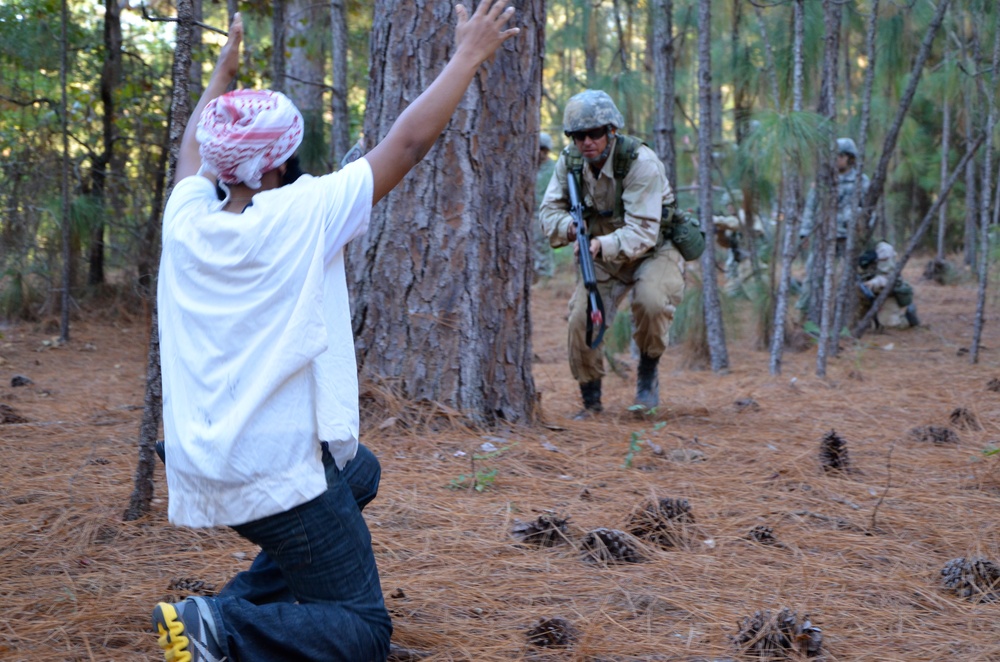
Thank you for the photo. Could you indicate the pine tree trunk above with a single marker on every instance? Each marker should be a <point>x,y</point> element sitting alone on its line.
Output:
<point>441,280</point>
<point>110,77</point>
<point>832,11</point>
<point>945,146</point>
<point>969,236</point>
<point>787,224</point>
<point>195,85</point>
<point>152,411</point>
<point>340,137</point>
<point>278,59</point>
<point>663,79</point>
<point>591,22</point>
<point>791,187</point>
<point>307,38</point>
<point>710,288</point>
<point>67,234</point>
<point>984,217</point>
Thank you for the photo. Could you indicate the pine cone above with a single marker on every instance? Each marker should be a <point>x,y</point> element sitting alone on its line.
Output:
<point>552,633</point>
<point>609,546</point>
<point>964,419</point>
<point>189,586</point>
<point>547,530</point>
<point>762,534</point>
<point>833,453</point>
<point>934,434</point>
<point>976,578</point>
<point>662,522</point>
<point>9,415</point>
<point>768,636</point>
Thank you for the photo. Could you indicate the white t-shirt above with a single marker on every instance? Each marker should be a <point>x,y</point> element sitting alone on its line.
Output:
<point>256,346</point>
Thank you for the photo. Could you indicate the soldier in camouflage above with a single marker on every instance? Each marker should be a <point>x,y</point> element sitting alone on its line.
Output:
<point>875,268</point>
<point>848,180</point>
<point>630,251</point>
<point>543,260</point>
<point>730,229</point>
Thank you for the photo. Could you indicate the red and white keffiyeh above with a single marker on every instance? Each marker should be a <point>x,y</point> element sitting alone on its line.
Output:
<point>245,133</point>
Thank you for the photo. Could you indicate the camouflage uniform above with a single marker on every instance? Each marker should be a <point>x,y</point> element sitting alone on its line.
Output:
<point>632,257</point>
<point>729,236</point>
<point>847,184</point>
<point>543,259</point>
<point>875,279</point>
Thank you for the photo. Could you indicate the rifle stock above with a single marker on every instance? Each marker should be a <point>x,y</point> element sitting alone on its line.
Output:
<point>595,306</point>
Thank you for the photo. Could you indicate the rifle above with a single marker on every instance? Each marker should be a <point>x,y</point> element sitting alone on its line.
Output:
<point>595,307</point>
<point>865,290</point>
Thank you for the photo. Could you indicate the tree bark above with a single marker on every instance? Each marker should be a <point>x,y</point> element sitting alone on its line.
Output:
<point>67,253</point>
<point>441,280</point>
<point>969,236</point>
<point>789,245</point>
<point>945,146</point>
<point>984,216</point>
<point>715,331</point>
<point>780,297</point>
<point>110,77</point>
<point>832,11</point>
<point>591,9</point>
<point>663,79</point>
<point>278,56</point>
<point>307,43</point>
<point>340,137</point>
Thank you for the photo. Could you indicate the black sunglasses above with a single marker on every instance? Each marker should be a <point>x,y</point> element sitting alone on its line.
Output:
<point>593,134</point>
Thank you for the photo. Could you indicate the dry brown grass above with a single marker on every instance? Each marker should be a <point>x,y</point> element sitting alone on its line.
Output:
<point>860,553</point>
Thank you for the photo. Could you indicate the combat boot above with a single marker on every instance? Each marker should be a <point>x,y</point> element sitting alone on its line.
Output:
<point>911,315</point>
<point>591,392</point>
<point>647,388</point>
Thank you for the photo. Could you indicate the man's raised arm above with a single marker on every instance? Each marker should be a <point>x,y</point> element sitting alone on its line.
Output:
<point>188,158</point>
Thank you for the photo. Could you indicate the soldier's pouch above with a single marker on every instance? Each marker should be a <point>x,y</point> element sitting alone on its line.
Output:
<point>684,231</point>
<point>903,293</point>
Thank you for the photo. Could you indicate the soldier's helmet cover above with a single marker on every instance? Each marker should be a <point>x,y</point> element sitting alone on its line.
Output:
<point>847,146</point>
<point>591,109</point>
<point>885,251</point>
<point>544,141</point>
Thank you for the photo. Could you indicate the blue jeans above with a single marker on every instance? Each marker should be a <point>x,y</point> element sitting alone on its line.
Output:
<point>313,592</point>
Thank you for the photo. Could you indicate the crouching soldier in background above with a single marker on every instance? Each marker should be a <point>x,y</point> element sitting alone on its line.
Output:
<point>875,268</point>
<point>730,235</point>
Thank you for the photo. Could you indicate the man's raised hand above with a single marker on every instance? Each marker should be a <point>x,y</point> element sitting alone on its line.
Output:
<point>480,36</point>
<point>229,58</point>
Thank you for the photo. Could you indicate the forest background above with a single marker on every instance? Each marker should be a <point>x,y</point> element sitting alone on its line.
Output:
<point>81,189</point>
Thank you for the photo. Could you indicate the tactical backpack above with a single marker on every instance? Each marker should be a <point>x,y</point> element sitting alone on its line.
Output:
<point>902,292</point>
<point>678,227</point>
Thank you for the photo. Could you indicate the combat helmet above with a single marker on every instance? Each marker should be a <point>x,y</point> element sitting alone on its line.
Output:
<point>590,109</point>
<point>847,146</point>
<point>544,141</point>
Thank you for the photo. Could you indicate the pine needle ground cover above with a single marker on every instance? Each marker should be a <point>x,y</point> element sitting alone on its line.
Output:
<point>892,560</point>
